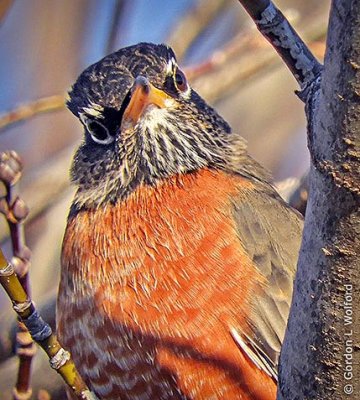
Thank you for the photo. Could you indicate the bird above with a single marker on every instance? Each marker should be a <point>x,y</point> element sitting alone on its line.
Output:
<point>179,256</point>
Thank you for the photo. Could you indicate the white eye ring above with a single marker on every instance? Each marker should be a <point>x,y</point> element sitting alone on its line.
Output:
<point>91,124</point>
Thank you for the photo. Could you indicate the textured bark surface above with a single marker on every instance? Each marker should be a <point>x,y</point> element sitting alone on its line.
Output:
<point>321,353</point>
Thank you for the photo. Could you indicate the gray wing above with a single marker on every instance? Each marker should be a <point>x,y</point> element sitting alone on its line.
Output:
<point>271,232</point>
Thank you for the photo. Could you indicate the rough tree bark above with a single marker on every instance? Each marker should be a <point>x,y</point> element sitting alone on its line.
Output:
<point>320,358</point>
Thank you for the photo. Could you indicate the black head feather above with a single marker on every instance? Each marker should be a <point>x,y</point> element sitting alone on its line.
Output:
<point>181,138</point>
<point>106,82</point>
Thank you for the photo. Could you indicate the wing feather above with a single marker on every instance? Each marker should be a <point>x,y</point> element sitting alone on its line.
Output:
<point>271,232</point>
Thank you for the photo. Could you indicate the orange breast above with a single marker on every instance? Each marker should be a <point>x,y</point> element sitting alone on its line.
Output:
<point>150,289</point>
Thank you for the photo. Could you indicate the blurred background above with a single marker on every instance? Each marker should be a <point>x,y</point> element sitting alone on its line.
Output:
<point>44,46</point>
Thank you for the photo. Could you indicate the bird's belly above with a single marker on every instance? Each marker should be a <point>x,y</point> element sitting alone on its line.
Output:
<point>121,360</point>
<point>146,307</point>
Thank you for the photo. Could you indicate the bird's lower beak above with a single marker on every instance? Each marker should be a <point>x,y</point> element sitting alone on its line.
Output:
<point>143,94</point>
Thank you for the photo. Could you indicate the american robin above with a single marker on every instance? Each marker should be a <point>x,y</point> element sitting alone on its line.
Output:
<point>179,255</point>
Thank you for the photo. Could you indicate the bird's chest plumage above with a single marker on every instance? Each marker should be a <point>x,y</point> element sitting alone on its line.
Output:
<point>149,288</point>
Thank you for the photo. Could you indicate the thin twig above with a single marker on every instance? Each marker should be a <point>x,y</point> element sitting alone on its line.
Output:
<point>226,78</point>
<point>28,110</point>
<point>13,277</point>
<point>241,44</point>
<point>117,14</point>
<point>193,23</point>
<point>43,187</point>
<point>15,211</point>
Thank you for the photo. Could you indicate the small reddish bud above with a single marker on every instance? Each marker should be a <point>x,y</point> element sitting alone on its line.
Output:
<point>19,209</point>
<point>10,167</point>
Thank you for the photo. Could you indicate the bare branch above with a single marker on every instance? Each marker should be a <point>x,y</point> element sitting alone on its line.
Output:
<point>193,23</point>
<point>245,42</point>
<point>44,186</point>
<point>40,331</point>
<point>320,358</point>
<point>29,110</point>
<point>245,57</point>
<point>15,212</point>
<point>274,26</point>
<point>115,22</point>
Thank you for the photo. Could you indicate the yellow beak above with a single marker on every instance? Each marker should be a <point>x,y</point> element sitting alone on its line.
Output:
<point>143,94</point>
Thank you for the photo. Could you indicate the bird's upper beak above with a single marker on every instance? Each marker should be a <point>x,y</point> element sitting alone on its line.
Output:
<point>143,93</point>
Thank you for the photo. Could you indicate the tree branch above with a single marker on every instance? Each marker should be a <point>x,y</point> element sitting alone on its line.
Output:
<point>40,331</point>
<point>29,110</point>
<point>193,23</point>
<point>320,357</point>
<point>277,30</point>
<point>117,14</point>
<point>243,58</point>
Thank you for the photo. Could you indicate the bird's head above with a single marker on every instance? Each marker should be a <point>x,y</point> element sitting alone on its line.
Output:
<point>142,122</point>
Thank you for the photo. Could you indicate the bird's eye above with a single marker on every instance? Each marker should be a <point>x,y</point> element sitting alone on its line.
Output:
<point>180,80</point>
<point>99,133</point>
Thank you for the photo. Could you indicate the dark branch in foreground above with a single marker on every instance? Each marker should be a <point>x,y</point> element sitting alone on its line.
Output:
<point>282,36</point>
